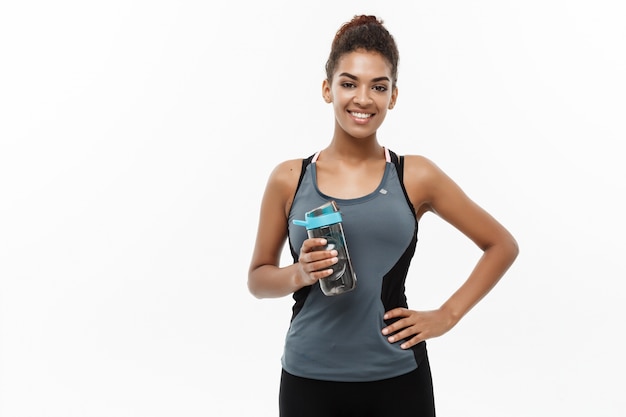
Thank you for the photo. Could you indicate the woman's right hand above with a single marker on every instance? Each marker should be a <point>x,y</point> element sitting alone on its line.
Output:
<point>314,262</point>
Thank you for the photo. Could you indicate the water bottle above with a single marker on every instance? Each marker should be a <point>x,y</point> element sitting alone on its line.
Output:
<point>325,222</point>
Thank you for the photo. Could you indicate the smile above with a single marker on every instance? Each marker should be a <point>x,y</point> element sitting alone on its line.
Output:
<point>361,115</point>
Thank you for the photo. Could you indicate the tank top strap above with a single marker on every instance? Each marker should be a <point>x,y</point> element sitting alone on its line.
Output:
<point>314,159</point>
<point>387,155</point>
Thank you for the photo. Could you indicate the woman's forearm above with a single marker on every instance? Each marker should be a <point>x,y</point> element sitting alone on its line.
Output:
<point>271,281</point>
<point>492,265</point>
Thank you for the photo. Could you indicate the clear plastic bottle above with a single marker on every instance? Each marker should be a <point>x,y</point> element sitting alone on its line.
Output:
<point>325,222</point>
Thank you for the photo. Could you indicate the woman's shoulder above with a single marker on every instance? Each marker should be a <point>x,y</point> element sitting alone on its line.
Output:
<point>287,169</point>
<point>421,172</point>
<point>286,174</point>
<point>423,180</point>
<point>419,165</point>
<point>417,159</point>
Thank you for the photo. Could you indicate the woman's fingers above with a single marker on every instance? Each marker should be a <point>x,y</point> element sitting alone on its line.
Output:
<point>315,261</point>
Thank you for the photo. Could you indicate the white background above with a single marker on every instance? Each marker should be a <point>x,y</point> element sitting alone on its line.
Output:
<point>136,139</point>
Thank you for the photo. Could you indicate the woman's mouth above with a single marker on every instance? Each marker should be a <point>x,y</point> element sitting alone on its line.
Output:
<point>360,117</point>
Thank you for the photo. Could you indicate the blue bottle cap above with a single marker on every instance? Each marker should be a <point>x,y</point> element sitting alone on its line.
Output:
<point>324,215</point>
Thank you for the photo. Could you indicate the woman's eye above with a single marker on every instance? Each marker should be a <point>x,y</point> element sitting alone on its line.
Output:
<point>380,88</point>
<point>347,85</point>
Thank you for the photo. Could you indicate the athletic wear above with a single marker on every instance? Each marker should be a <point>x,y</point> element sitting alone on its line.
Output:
<point>339,338</point>
<point>408,395</point>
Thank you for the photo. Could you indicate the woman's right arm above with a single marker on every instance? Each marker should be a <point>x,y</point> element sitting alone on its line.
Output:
<point>266,279</point>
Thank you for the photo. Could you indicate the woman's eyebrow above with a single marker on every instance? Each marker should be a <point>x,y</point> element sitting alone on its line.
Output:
<point>354,77</point>
<point>346,74</point>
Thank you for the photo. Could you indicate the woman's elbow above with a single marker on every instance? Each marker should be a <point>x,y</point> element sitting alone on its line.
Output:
<point>253,286</point>
<point>254,289</point>
<point>511,248</point>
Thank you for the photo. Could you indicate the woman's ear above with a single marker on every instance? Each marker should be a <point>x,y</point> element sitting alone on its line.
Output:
<point>326,92</point>
<point>394,97</point>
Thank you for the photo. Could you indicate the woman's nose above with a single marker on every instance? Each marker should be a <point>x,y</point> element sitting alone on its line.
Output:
<point>362,97</point>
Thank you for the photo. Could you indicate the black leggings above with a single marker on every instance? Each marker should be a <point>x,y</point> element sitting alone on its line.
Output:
<point>409,395</point>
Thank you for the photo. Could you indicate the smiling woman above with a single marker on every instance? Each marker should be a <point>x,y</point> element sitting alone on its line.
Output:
<point>366,346</point>
<point>361,92</point>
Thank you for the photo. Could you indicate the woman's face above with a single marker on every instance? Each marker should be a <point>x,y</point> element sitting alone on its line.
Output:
<point>361,92</point>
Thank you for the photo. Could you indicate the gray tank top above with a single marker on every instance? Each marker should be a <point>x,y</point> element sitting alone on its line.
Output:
<point>339,338</point>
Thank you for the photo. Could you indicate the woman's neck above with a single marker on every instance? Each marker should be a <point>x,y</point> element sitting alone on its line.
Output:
<point>353,149</point>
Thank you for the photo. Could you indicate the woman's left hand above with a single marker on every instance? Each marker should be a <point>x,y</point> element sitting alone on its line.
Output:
<point>416,326</point>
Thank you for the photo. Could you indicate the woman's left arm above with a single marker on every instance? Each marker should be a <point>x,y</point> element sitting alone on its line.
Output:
<point>430,189</point>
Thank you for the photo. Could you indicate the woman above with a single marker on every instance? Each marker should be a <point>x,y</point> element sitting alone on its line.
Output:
<point>363,353</point>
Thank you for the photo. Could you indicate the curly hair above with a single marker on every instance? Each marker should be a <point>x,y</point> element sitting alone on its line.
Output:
<point>368,33</point>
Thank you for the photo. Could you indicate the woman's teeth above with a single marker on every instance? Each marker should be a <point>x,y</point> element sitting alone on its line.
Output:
<point>361,115</point>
